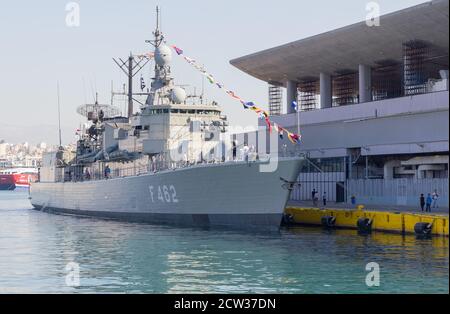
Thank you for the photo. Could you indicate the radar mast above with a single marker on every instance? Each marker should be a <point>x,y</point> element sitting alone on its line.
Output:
<point>162,81</point>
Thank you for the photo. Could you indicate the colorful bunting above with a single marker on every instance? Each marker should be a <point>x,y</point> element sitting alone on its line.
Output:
<point>148,55</point>
<point>178,50</point>
<point>210,79</point>
<point>291,138</point>
<point>269,125</point>
<point>232,94</point>
<point>297,137</point>
<point>281,132</point>
<point>189,60</point>
<point>248,105</point>
<point>294,138</point>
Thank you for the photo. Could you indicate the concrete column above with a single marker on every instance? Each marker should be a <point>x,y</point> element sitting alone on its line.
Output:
<point>365,83</point>
<point>420,174</point>
<point>325,91</point>
<point>388,168</point>
<point>291,95</point>
<point>367,167</point>
<point>350,167</point>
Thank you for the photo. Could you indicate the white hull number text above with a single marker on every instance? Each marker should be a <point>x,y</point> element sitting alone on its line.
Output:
<point>163,194</point>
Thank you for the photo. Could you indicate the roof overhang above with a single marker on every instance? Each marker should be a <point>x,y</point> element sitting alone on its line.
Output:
<point>429,160</point>
<point>348,47</point>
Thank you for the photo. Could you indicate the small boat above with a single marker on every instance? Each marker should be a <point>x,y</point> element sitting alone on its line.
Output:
<point>7,182</point>
<point>17,178</point>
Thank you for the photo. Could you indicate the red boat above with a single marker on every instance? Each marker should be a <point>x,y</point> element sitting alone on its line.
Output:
<point>11,179</point>
<point>7,182</point>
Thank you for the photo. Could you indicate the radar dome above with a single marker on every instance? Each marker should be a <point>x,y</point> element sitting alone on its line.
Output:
<point>163,55</point>
<point>178,95</point>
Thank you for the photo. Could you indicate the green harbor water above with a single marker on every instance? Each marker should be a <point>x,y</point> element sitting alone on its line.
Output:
<point>118,257</point>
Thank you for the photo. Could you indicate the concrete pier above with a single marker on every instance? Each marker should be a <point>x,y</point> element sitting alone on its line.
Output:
<point>382,219</point>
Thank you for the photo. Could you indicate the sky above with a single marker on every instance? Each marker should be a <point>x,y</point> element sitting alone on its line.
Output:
<point>38,50</point>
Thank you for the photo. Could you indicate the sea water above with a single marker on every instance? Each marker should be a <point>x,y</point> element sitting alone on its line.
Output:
<point>44,253</point>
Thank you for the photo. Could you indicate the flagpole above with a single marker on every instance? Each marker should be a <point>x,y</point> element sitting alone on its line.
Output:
<point>296,106</point>
<point>59,115</point>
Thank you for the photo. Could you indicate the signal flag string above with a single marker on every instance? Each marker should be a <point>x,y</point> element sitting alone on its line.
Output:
<point>263,114</point>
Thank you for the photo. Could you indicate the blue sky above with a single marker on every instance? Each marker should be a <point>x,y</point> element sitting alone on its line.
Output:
<point>38,49</point>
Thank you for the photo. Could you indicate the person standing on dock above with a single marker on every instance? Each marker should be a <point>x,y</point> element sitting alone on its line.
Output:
<point>87,174</point>
<point>324,198</point>
<point>313,194</point>
<point>107,172</point>
<point>422,201</point>
<point>235,144</point>
<point>435,199</point>
<point>245,152</point>
<point>428,202</point>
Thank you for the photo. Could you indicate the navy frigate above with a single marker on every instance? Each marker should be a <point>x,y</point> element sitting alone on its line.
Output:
<point>165,164</point>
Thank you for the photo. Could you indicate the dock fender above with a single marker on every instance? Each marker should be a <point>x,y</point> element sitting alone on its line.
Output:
<point>364,225</point>
<point>328,221</point>
<point>423,228</point>
<point>288,219</point>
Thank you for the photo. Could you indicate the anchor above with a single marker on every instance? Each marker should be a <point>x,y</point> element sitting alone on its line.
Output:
<point>289,185</point>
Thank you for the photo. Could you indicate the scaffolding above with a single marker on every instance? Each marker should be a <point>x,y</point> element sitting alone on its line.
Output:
<point>387,80</point>
<point>345,89</point>
<point>415,54</point>
<point>308,91</point>
<point>275,100</point>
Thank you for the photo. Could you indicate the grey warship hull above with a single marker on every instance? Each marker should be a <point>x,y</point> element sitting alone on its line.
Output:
<point>233,194</point>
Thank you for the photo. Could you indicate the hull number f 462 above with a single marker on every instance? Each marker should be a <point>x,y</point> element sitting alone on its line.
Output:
<point>163,194</point>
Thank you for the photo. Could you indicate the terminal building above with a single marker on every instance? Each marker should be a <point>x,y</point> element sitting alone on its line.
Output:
<point>373,106</point>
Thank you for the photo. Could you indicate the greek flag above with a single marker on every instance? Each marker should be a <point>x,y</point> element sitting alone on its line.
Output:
<point>294,105</point>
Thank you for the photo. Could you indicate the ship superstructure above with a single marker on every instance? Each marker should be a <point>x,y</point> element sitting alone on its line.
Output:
<point>171,129</point>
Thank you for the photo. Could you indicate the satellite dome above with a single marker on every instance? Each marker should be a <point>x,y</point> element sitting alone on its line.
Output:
<point>178,95</point>
<point>163,55</point>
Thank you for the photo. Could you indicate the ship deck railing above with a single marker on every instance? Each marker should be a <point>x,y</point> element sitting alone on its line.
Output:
<point>153,167</point>
<point>150,168</point>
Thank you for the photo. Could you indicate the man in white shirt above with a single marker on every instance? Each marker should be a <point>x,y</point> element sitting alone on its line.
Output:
<point>435,199</point>
<point>245,151</point>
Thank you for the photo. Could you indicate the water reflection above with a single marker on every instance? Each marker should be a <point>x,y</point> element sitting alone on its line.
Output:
<point>122,257</point>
